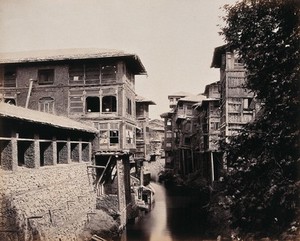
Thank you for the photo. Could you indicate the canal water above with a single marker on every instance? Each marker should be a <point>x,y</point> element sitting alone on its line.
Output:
<point>176,216</point>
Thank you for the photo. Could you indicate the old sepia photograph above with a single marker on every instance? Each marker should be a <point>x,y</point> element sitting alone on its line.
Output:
<point>149,120</point>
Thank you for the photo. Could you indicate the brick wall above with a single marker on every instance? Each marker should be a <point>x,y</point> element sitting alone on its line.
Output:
<point>49,203</point>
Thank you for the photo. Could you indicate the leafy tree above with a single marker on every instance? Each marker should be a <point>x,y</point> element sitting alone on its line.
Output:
<point>263,160</point>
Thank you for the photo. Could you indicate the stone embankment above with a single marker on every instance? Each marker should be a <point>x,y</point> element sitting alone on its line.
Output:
<point>48,203</point>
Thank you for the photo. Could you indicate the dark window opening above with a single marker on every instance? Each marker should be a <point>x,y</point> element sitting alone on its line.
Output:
<point>76,72</point>
<point>114,137</point>
<point>129,106</point>
<point>92,71</point>
<point>22,152</point>
<point>92,104</point>
<point>10,76</point>
<point>10,101</point>
<point>109,104</point>
<point>43,148</point>
<point>139,110</point>
<point>139,133</point>
<point>187,141</point>
<point>108,72</point>
<point>46,76</point>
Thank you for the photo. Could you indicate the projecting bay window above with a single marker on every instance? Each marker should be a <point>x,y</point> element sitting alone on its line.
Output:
<point>109,135</point>
<point>109,104</point>
<point>46,76</point>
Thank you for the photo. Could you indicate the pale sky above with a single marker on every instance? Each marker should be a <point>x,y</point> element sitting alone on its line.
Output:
<point>174,39</point>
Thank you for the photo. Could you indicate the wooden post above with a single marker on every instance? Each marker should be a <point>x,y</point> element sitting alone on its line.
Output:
<point>29,92</point>
<point>212,166</point>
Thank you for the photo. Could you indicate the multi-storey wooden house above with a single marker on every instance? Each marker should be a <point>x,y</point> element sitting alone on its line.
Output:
<point>173,98</point>
<point>142,135</point>
<point>89,85</point>
<point>179,134</point>
<point>86,84</point>
<point>171,136</point>
<point>209,123</point>
<point>185,120</point>
<point>157,136</point>
<point>236,106</point>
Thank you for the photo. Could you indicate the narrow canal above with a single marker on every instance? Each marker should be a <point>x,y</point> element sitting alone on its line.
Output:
<point>176,216</point>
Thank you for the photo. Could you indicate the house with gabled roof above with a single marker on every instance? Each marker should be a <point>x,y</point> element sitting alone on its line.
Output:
<point>95,86</point>
<point>173,98</point>
<point>236,99</point>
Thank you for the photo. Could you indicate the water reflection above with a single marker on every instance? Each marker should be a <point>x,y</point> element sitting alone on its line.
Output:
<point>175,217</point>
<point>153,225</point>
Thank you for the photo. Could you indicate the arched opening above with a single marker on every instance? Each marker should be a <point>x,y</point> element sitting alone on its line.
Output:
<point>109,104</point>
<point>92,104</point>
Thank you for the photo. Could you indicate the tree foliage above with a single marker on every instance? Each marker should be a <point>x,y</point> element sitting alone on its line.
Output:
<point>263,160</point>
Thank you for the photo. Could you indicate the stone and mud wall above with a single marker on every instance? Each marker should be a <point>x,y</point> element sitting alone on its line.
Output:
<point>52,203</point>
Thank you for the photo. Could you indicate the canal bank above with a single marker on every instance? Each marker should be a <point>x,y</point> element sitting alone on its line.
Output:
<point>177,214</point>
<point>175,217</point>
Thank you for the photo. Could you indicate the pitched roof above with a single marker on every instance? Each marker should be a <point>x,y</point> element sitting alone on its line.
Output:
<point>72,54</point>
<point>192,98</point>
<point>166,114</point>
<point>217,56</point>
<point>180,94</point>
<point>139,98</point>
<point>17,112</point>
<point>207,87</point>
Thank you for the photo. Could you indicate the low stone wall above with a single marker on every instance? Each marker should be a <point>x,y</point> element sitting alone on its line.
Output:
<point>48,203</point>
